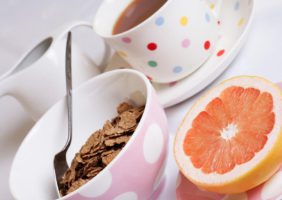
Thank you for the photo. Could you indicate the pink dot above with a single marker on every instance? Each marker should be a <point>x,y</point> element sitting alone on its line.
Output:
<point>152,46</point>
<point>185,43</point>
<point>126,39</point>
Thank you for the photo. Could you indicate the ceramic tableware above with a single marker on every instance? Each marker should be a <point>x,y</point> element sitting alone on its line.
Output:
<point>270,190</point>
<point>171,44</point>
<point>235,19</point>
<point>40,84</point>
<point>134,174</point>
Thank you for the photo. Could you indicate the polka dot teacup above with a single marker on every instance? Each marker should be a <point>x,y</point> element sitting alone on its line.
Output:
<point>167,46</point>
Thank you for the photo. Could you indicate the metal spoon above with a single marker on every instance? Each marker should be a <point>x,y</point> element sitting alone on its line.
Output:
<point>60,162</point>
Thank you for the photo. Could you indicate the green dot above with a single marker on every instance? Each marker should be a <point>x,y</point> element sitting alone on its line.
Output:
<point>152,63</point>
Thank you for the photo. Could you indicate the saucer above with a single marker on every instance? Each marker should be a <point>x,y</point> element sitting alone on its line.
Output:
<point>234,21</point>
<point>271,190</point>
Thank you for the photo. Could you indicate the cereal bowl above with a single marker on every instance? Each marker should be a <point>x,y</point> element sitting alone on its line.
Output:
<point>135,173</point>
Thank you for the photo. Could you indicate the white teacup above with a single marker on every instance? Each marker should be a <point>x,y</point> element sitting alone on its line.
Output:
<point>169,45</point>
<point>40,84</point>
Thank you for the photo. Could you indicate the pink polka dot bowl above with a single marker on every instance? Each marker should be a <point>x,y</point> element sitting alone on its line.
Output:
<point>136,173</point>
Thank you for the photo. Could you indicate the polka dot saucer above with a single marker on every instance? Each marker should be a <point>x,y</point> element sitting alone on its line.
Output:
<point>234,20</point>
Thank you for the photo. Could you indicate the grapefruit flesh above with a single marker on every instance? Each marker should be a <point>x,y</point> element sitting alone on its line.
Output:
<point>231,140</point>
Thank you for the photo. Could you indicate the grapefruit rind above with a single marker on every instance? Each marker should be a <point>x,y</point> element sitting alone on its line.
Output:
<point>250,174</point>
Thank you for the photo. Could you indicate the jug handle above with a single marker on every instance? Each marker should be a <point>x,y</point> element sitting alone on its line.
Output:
<point>60,33</point>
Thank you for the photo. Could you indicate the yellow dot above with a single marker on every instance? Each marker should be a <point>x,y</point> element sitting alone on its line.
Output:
<point>241,22</point>
<point>212,6</point>
<point>122,53</point>
<point>184,21</point>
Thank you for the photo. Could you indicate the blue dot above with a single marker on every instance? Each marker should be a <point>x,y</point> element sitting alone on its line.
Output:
<point>207,17</point>
<point>159,21</point>
<point>237,5</point>
<point>177,69</point>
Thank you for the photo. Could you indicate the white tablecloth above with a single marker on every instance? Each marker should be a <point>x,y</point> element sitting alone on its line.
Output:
<point>24,23</point>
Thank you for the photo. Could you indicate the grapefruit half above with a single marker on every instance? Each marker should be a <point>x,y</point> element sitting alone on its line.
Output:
<point>231,139</point>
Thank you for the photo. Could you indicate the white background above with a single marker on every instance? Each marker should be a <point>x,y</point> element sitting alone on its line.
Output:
<point>24,23</point>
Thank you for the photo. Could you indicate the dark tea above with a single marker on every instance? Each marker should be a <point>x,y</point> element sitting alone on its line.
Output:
<point>135,13</point>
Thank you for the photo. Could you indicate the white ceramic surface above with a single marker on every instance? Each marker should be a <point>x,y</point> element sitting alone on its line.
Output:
<point>92,106</point>
<point>40,83</point>
<point>235,19</point>
<point>169,45</point>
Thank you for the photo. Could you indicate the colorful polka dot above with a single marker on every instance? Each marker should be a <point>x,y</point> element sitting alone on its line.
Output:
<point>122,53</point>
<point>152,63</point>
<point>126,39</point>
<point>177,69</point>
<point>105,182</point>
<point>221,52</point>
<point>184,21</point>
<point>152,46</point>
<point>207,45</point>
<point>185,43</point>
<point>153,143</point>
<point>159,21</point>
<point>212,6</point>
<point>241,22</point>
<point>207,17</point>
<point>237,6</point>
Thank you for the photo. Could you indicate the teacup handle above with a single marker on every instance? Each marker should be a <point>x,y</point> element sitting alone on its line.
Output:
<point>59,34</point>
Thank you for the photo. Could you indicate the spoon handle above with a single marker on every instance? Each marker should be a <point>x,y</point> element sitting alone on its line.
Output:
<point>69,88</point>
